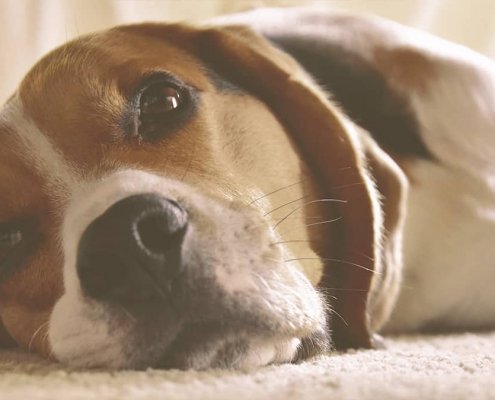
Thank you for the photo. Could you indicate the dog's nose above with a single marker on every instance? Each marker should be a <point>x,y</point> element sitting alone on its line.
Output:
<point>132,252</point>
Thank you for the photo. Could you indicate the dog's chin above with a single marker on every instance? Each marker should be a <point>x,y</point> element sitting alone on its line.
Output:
<point>200,346</point>
<point>100,336</point>
<point>113,340</point>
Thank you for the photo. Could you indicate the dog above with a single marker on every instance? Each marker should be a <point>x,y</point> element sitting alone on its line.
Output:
<point>260,189</point>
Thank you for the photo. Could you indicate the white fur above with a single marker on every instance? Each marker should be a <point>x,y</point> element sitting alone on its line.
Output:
<point>449,274</point>
<point>450,230</point>
<point>38,150</point>
<point>80,335</point>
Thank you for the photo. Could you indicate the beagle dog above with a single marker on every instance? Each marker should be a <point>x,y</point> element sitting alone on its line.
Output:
<point>260,189</point>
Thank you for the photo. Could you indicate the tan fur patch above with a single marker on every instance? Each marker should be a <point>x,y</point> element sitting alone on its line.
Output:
<point>77,95</point>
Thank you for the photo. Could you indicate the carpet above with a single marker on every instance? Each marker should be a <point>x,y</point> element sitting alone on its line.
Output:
<point>411,367</point>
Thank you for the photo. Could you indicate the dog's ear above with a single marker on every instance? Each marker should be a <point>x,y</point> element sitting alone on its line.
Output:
<point>332,148</point>
<point>340,158</point>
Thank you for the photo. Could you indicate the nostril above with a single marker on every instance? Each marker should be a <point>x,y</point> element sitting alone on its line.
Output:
<point>133,250</point>
<point>153,233</point>
<point>160,231</point>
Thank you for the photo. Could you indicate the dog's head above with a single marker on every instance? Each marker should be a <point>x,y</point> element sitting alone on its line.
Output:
<point>187,197</point>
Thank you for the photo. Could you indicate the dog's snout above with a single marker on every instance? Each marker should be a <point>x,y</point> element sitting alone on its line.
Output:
<point>132,252</point>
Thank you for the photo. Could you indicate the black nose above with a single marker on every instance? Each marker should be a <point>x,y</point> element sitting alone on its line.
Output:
<point>131,253</point>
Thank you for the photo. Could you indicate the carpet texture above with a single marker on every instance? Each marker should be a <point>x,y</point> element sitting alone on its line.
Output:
<point>411,367</point>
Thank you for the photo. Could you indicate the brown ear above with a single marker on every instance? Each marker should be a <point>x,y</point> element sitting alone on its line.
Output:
<point>330,147</point>
<point>332,152</point>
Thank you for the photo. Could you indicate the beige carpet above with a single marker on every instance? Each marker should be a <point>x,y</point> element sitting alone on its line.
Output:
<point>422,367</point>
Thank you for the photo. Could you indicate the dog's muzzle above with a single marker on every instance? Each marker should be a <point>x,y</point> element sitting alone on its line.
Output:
<point>192,282</point>
<point>131,254</point>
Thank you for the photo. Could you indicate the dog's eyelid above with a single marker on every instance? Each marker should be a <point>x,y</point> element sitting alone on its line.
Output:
<point>154,77</point>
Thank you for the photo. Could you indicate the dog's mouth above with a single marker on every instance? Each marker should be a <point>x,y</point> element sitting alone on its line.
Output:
<point>214,330</point>
<point>218,334</point>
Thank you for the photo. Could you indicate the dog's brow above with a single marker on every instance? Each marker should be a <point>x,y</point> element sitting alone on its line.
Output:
<point>37,149</point>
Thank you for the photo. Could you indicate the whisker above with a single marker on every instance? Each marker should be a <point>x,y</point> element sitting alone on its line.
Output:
<point>366,256</point>
<point>275,260</point>
<point>348,185</point>
<point>327,289</point>
<point>283,205</point>
<point>334,260</point>
<point>307,203</point>
<point>131,317</point>
<point>340,316</point>
<point>327,295</point>
<point>308,218</point>
<point>324,222</point>
<point>43,325</point>
<point>45,340</point>
<point>290,241</point>
<point>278,190</point>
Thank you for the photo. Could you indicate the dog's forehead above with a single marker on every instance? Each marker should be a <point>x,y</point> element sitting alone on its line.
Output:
<point>117,56</point>
<point>101,70</point>
<point>77,95</point>
<point>71,102</point>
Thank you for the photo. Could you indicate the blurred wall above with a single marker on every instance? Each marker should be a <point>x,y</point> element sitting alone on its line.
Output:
<point>30,28</point>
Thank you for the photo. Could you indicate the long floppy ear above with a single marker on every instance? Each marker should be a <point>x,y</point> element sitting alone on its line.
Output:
<point>332,150</point>
<point>331,147</point>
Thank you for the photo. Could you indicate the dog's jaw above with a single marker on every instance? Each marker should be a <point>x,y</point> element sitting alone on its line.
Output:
<point>265,306</point>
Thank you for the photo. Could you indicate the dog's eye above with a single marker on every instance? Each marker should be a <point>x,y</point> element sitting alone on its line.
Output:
<point>159,100</point>
<point>16,242</point>
<point>163,103</point>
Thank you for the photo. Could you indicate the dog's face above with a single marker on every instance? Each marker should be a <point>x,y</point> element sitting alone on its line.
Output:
<point>155,213</point>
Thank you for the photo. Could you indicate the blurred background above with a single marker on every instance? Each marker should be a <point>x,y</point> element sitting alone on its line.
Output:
<point>30,28</point>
